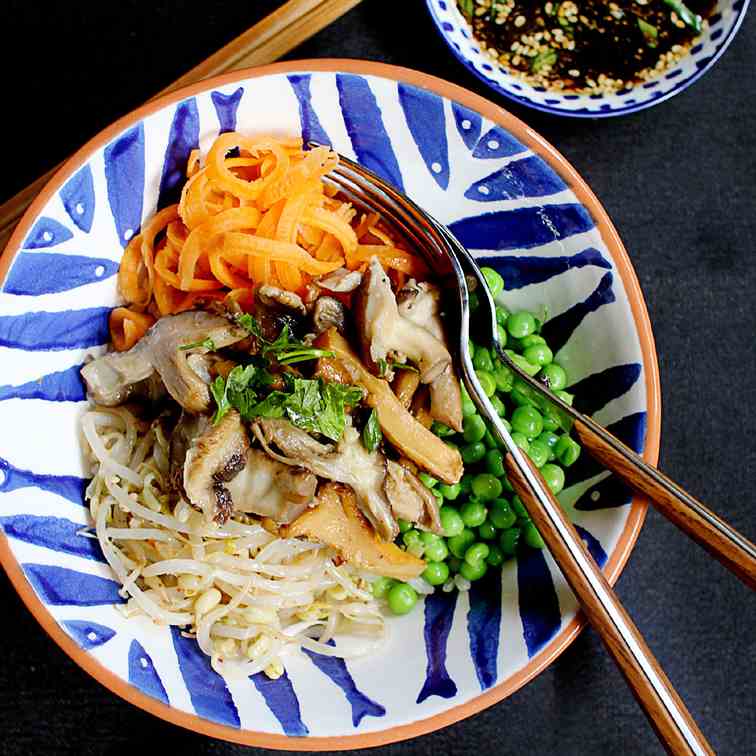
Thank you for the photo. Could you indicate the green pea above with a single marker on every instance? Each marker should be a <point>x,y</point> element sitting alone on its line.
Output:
<point>436,573</point>
<point>436,551</point>
<point>494,280</point>
<point>532,536</point>
<point>450,491</point>
<point>548,439</point>
<point>473,572</point>
<point>539,453</point>
<point>509,540</point>
<point>486,487</point>
<point>474,300</point>
<point>476,553</point>
<point>502,314</point>
<point>402,598</point>
<point>504,379</point>
<point>520,324</point>
<point>501,332</point>
<point>382,586</point>
<point>442,430</point>
<point>487,382</point>
<point>538,354</point>
<point>566,397</point>
<point>501,514</point>
<point>507,485</point>
<point>473,429</point>
<point>521,440</point>
<point>496,403</point>
<point>487,531</point>
<point>465,483</point>
<point>473,513</point>
<point>495,462</point>
<point>556,378</point>
<point>439,497</point>
<point>567,451</point>
<point>550,422</point>
<point>411,538</point>
<point>471,348</point>
<point>530,341</point>
<point>490,440</point>
<point>495,556</point>
<point>454,564</point>
<point>473,453</point>
<point>482,359</point>
<point>554,477</point>
<point>522,363</point>
<point>468,405</point>
<point>519,507</point>
<point>451,522</point>
<point>519,399</point>
<point>528,421</point>
<point>459,544</point>
<point>427,480</point>
<point>404,525</point>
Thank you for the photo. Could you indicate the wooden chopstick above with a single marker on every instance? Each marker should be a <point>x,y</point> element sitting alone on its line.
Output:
<point>277,34</point>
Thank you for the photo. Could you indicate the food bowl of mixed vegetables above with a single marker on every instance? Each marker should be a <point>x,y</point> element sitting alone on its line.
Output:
<point>588,58</point>
<point>260,476</point>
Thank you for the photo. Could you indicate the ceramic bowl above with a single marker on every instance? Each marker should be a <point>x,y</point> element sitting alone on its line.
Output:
<point>512,199</point>
<point>723,25</point>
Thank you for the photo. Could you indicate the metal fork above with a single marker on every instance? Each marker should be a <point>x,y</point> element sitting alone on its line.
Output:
<point>666,712</point>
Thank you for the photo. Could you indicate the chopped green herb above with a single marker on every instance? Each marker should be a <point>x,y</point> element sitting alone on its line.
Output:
<point>543,60</point>
<point>693,20</point>
<point>218,390</point>
<point>383,367</point>
<point>371,433</point>
<point>650,32</point>
<point>207,344</point>
<point>284,349</point>
<point>404,366</point>
<point>332,417</point>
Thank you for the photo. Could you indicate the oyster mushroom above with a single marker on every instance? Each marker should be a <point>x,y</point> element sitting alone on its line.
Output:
<point>328,313</point>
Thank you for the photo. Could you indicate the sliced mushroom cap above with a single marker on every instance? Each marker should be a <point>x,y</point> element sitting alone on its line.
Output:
<point>338,522</point>
<point>272,296</point>
<point>349,463</point>
<point>112,378</point>
<point>341,280</point>
<point>421,303</point>
<point>214,458</point>
<point>187,429</point>
<point>328,313</point>
<point>410,499</point>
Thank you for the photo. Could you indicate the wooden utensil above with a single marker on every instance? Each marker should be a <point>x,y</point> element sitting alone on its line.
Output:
<point>266,41</point>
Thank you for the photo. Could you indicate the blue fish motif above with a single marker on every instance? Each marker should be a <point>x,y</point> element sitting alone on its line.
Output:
<point>36,273</point>
<point>439,615</point>
<point>336,669</point>
<point>469,124</point>
<point>424,112</point>
<point>55,533</point>
<point>522,228</point>
<point>367,132</point>
<point>61,386</point>
<point>520,271</point>
<point>226,106</point>
<point>497,143</point>
<point>124,174</point>
<point>47,331</point>
<point>483,627</point>
<point>207,689</point>
<point>595,549</point>
<point>529,177</point>
<point>631,430</point>
<point>143,675</point>
<point>87,634</point>
<point>560,328</point>
<point>68,486</point>
<point>182,139</point>
<point>308,118</point>
<point>597,390</point>
<point>281,699</point>
<point>47,232</point>
<point>78,197</point>
<point>538,602</point>
<point>60,586</point>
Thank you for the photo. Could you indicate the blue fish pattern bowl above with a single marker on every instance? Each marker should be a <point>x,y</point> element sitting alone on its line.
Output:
<point>512,199</point>
<point>723,24</point>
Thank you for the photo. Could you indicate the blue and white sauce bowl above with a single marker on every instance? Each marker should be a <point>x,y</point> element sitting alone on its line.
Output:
<point>723,24</point>
<point>512,199</point>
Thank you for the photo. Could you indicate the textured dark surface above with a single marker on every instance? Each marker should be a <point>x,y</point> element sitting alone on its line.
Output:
<point>679,181</point>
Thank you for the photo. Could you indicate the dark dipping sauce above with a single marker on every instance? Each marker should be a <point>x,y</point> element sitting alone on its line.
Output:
<point>586,45</point>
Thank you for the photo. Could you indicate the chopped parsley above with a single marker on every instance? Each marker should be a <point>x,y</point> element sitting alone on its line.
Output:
<point>207,343</point>
<point>285,349</point>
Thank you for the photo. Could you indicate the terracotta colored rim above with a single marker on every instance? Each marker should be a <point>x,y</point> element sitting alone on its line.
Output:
<point>650,453</point>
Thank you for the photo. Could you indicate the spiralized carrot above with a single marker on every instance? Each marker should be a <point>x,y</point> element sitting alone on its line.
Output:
<point>127,327</point>
<point>256,211</point>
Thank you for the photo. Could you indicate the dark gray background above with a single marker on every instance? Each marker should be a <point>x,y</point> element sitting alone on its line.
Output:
<point>679,181</point>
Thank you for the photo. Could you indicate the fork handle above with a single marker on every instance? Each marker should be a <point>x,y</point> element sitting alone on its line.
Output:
<point>673,723</point>
<point>721,540</point>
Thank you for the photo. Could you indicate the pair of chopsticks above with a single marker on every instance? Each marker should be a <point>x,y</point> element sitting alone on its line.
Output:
<point>274,36</point>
